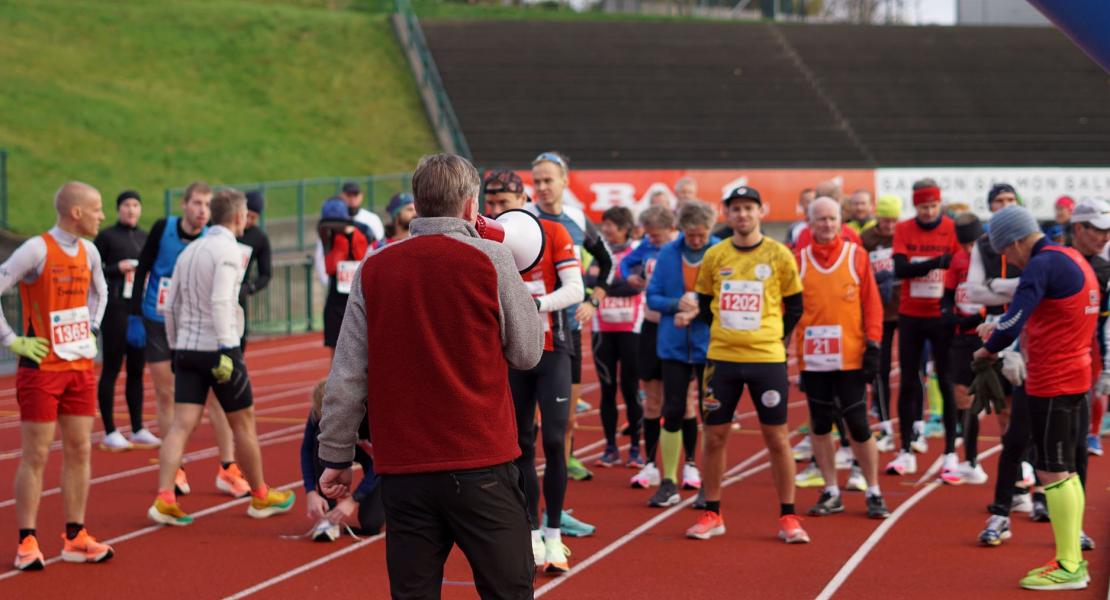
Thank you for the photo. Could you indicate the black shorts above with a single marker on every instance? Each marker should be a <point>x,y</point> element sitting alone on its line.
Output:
<point>334,307</point>
<point>576,356</point>
<point>959,358</point>
<point>650,367</point>
<point>1055,426</point>
<point>157,347</point>
<point>767,384</point>
<point>193,379</point>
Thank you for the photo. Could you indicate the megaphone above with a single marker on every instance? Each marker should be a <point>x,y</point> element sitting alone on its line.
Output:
<point>520,231</point>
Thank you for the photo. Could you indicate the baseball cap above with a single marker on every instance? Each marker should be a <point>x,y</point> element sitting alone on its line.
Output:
<point>502,180</point>
<point>255,201</point>
<point>351,187</point>
<point>1066,202</point>
<point>1094,212</point>
<point>397,202</point>
<point>745,192</point>
<point>334,209</point>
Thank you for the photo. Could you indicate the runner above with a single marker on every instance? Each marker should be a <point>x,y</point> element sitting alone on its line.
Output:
<point>838,342</point>
<point>345,242</point>
<point>859,213</point>
<point>119,247</point>
<point>923,249</point>
<point>369,223</point>
<point>748,286</point>
<point>401,212</point>
<point>255,245</point>
<point>63,295</point>
<point>879,242</point>
<point>805,197</point>
<point>1055,310</point>
<point>555,284</point>
<point>682,341</point>
<point>658,223</point>
<point>168,238</point>
<point>204,324</point>
<point>616,341</point>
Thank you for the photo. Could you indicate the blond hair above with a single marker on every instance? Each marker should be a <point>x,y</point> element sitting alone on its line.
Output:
<point>442,183</point>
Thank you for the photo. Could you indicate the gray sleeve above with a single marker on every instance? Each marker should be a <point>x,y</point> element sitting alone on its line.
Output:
<point>345,394</point>
<point>98,293</point>
<point>23,265</point>
<point>521,327</point>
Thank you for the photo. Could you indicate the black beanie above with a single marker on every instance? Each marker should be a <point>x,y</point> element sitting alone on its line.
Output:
<point>255,201</point>
<point>127,195</point>
<point>968,228</point>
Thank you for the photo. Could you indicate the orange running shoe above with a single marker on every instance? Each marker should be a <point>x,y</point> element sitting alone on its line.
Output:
<point>181,483</point>
<point>710,524</point>
<point>231,481</point>
<point>790,530</point>
<point>28,557</point>
<point>85,549</point>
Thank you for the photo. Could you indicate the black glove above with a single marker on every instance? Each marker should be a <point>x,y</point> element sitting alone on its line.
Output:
<point>870,362</point>
<point>943,261</point>
<point>986,387</point>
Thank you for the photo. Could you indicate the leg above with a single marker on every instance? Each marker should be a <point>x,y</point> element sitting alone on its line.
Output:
<point>910,344</point>
<point>225,440</point>
<point>186,416</point>
<point>676,382</point>
<point>713,460</point>
<point>690,420</point>
<point>234,413</point>
<point>851,390</point>
<point>723,387</point>
<point>653,412</point>
<point>242,425</point>
<point>134,387</point>
<point>114,346</point>
<point>162,378</point>
<point>630,383</point>
<point>1083,418</point>
<point>1015,441</point>
<point>605,360</point>
<point>523,387</point>
<point>881,392</point>
<point>769,386</point>
<point>35,445</point>
<point>575,390</point>
<point>75,465</point>
<point>940,339</point>
<point>1055,425</point>
<point>419,539</point>
<point>820,397</point>
<point>553,391</point>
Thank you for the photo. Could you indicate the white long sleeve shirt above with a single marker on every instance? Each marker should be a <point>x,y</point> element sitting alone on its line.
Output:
<point>204,312</point>
<point>26,263</point>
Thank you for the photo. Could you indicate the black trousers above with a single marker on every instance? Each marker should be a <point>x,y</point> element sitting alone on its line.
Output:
<point>880,394</point>
<point>113,332</point>
<point>481,510</point>
<point>913,332</point>
<point>612,351</point>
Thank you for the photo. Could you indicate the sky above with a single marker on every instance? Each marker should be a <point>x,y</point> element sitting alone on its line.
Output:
<point>930,12</point>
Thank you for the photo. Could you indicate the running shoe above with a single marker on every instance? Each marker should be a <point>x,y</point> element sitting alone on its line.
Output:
<point>646,478</point>
<point>803,450</point>
<point>275,502</point>
<point>884,442</point>
<point>1022,503</point>
<point>973,475</point>
<point>666,495</point>
<point>231,482</point>
<point>709,524</point>
<point>919,444</point>
<point>844,458</point>
<point>635,461</point>
<point>934,427</point>
<point>827,505</point>
<point>325,531</point>
<point>582,406</point>
<point>1039,512</point>
<point>691,477</point>
<point>578,471</point>
<point>570,526</point>
<point>903,464</point>
<point>996,531</point>
<point>115,442</point>
<point>85,549</point>
<point>699,500</point>
<point>1086,544</point>
<point>610,458</point>
<point>555,557</point>
<point>539,551</point>
<point>168,514</point>
<point>809,477</point>
<point>790,530</point>
<point>856,481</point>
<point>1094,445</point>
<point>950,471</point>
<point>876,508</point>
<point>181,483</point>
<point>1056,577</point>
<point>28,557</point>
<point>143,438</point>
<point>1105,429</point>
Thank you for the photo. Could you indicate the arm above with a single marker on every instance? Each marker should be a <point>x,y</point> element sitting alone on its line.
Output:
<point>872,301</point>
<point>308,466</point>
<point>904,269</point>
<point>340,250</point>
<point>656,297</point>
<point>792,313</point>
<point>369,477</point>
<point>521,325</point>
<point>98,294</point>
<point>705,308</point>
<point>570,291</point>
<point>265,267</point>
<point>597,249</point>
<point>171,310</point>
<point>318,264</point>
<point>345,395</point>
<point>1028,295</point>
<point>27,260</point>
<point>101,242</point>
<point>146,262</point>
<point>633,262</point>
<point>993,292</point>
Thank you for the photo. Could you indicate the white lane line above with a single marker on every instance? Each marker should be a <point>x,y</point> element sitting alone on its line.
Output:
<point>327,558</point>
<point>880,531</point>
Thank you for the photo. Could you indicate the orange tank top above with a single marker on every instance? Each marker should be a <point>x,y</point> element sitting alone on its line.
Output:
<point>830,333</point>
<point>56,307</point>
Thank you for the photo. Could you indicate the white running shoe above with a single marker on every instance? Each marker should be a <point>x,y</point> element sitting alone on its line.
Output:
<point>950,471</point>
<point>115,442</point>
<point>691,477</point>
<point>856,481</point>
<point>1022,503</point>
<point>555,557</point>
<point>973,475</point>
<point>143,438</point>
<point>809,477</point>
<point>884,442</point>
<point>803,451</point>
<point>903,464</point>
<point>647,477</point>
<point>844,458</point>
<point>538,549</point>
<point>325,531</point>
<point>919,444</point>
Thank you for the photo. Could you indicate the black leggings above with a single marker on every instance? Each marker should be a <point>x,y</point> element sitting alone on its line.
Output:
<point>612,348</point>
<point>838,397</point>
<point>548,383</point>
<point>880,394</point>
<point>676,386</point>
<point>913,332</point>
<point>113,332</point>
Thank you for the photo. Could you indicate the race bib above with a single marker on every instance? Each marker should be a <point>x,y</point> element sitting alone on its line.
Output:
<point>882,259</point>
<point>822,348</point>
<point>963,303</point>
<point>247,252</point>
<point>616,311</point>
<point>741,304</point>
<point>163,295</point>
<point>345,275</point>
<point>71,334</point>
<point>929,286</point>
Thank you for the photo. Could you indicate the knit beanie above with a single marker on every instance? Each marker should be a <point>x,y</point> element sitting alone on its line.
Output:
<point>888,206</point>
<point>1010,225</point>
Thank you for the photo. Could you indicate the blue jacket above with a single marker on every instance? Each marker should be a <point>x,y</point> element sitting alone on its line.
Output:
<point>636,261</point>
<point>685,344</point>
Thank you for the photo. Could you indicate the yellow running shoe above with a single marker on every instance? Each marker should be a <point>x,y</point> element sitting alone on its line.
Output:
<point>168,514</point>
<point>275,502</point>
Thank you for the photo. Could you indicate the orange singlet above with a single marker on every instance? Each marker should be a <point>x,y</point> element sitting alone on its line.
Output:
<point>55,307</point>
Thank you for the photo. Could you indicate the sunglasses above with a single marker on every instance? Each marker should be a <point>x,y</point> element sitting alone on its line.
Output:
<point>550,157</point>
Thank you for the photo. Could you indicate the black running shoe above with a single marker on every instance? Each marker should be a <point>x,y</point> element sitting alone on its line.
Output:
<point>827,505</point>
<point>876,508</point>
<point>666,495</point>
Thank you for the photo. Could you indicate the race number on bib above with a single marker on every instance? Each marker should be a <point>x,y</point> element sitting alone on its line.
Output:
<point>822,348</point>
<point>618,310</point>
<point>163,295</point>
<point>247,252</point>
<point>741,304</point>
<point>929,286</point>
<point>71,334</point>
<point>345,275</point>
<point>964,303</point>
<point>882,259</point>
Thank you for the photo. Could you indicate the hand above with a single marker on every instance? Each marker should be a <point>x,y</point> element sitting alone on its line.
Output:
<point>683,319</point>
<point>336,483</point>
<point>870,362</point>
<point>599,294</point>
<point>636,281</point>
<point>585,313</point>
<point>32,348</point>
<point>126,265</point>
<point>688,304</point>
<point>985,330</point>
<point>1013,366</point>
<point>343,510</point>
<point>317,506</point>
<point>943,261</point>
<point>222,371</point>
<point>136,332</point>
<point>984,353</point>
<point>1102,386</point>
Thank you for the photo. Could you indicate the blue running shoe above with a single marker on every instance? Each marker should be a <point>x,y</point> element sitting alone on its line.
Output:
<point>635,461</point>
<point>934,428</point>
<point>610,458</point>
<point>1094,445</point>
<point>572,527</point>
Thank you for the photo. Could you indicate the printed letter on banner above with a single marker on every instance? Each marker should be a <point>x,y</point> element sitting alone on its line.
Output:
<point>929,286</point>
<point>345,275</point>
<point>70,334</point>
<point>741,304</point>
<point>822,351</point>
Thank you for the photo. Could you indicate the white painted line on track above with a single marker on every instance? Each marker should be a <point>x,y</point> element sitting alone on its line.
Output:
<point>306,567</point>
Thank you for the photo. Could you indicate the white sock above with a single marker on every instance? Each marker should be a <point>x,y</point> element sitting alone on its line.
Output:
<point>887,428</point>
<point>918,427</point>
<point>537,537</point>
<point>833,490</point>
<point>551,536</point>
<point>873,491</point>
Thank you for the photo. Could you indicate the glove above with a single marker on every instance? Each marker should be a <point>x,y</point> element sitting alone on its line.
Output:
<point>870,362</point>
<point>136,332</point>
<point>943,261</point>
<point>1013,367</point>
<point>32,348</point>
<point>223,369</point>
<point>986,387</point>
<point>1102,386</point>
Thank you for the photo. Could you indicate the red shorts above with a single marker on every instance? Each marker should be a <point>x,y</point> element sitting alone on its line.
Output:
<point>43,395</point>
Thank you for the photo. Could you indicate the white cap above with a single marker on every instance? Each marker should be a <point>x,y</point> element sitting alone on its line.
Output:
<point>1095,212</point>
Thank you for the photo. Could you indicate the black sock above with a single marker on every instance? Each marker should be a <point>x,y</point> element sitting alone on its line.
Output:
<point>23,533</point>
<point>690,438</point>
<point>72,529</point>
<point>786,509</point>
<point>713,506</point>
<point>651,439</point>
<point>226,465</point>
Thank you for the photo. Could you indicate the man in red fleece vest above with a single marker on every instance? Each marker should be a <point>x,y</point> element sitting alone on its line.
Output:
<point>437,396</point>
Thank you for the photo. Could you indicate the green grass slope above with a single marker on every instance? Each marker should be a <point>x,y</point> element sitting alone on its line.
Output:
<point>151,94</point>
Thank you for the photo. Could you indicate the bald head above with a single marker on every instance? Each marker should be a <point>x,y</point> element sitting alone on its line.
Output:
<point>79,208</point>
<point>74,194</point>
<point>830,189</point>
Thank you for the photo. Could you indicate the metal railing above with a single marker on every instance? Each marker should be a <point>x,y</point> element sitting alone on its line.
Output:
<point>287,305</point>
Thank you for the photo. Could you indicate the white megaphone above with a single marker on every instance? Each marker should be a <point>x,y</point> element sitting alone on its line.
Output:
<point>520,231</point>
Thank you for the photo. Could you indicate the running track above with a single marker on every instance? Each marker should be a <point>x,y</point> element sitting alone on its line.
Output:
<point>927,550</point>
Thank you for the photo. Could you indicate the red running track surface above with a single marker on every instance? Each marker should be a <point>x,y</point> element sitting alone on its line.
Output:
<point>930,551</point>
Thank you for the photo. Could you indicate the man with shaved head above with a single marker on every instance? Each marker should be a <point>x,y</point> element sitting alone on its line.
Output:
<point>63,293</point>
